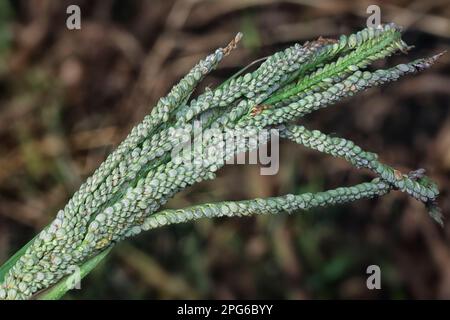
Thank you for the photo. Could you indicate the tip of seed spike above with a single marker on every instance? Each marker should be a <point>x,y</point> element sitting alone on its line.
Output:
<point>435,213</point>
<point>436,57</point>
<point>233,44</point>
<point>238,36</point>
<point>440,54</point>
<point>425,63</point>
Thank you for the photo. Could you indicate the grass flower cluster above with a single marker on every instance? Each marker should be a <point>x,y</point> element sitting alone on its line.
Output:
<point>125,194</point>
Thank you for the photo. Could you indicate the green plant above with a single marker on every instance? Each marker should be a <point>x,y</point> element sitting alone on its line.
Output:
<point>124,195</point>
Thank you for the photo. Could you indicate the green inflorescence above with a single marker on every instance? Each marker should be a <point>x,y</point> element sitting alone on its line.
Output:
<point>125,194</point>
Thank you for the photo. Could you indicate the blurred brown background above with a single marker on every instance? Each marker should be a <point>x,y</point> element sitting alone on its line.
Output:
<point>68,97</point>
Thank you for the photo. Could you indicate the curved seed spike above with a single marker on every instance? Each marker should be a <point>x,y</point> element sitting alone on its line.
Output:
<point>413,184</point>
<point>288,203</point>
<point>357,82</point>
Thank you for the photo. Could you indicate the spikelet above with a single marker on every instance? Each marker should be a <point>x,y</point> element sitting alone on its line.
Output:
<point>124,195</point>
